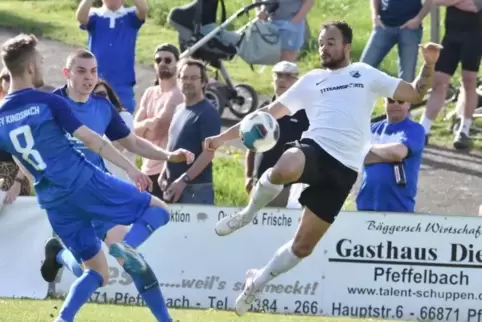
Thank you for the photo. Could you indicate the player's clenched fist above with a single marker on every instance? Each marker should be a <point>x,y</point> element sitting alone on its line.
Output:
<point>430,52</point>
<point>181,155</point>
<point>140,179</point>
<point>213,142</point>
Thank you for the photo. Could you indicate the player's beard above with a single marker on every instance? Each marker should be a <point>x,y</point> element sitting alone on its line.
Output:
<point>165,74</point>
<point>334,63</point>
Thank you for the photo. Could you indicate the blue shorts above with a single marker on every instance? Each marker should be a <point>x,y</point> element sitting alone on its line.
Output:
<point>103,199</point>
<point>102,227</point>
<point>292,35</point>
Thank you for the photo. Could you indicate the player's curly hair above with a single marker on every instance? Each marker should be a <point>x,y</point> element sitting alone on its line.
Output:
<point>344,28</point>
<point>17,52</point>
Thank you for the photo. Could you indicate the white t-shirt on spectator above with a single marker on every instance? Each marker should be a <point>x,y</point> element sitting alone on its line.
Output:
<point>115,170</point>
<point>339,105</point>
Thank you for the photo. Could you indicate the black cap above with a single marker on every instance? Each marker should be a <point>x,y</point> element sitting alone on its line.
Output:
<point>169,48</point>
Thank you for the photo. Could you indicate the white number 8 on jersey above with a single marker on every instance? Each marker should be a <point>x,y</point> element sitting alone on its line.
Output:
<point>28,152</point>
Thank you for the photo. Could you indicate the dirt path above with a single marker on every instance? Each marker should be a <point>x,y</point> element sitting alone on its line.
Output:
<point>448,183</point>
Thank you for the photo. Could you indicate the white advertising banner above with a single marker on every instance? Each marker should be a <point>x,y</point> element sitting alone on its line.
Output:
<point>399,266</point>
<point>369,265</point>
<point>24,228</point>
<point>199,269</point>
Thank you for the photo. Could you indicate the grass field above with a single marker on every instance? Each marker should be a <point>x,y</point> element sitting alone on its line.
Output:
<point>45,311</point>
<point>56,19</point>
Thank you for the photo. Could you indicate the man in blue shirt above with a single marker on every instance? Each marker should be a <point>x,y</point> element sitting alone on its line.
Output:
<point>396,22</point>
<point>99,115</point>
<point>72,190</point>
<point>391,168</point>
<point>191,123</point>
<point>113,31</point>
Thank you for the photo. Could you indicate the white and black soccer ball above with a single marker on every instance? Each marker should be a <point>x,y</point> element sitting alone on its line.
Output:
<point>259,131</point>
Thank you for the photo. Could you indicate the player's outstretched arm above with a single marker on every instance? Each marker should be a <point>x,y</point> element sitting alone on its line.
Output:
<point>415,92</point>
<point>107,151</point>
<point>146,149</point>
<point>65,118</point>
<point>103,147</point>
<point>276,109</point>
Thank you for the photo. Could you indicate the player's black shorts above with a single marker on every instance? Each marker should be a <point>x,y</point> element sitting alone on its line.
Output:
<point>464,48</point>
<point>330,181</point>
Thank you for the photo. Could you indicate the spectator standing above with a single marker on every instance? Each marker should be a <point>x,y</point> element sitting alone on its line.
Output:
<point>193,121</point>
<point>396,22</point>
<point>462,43</point>
<point>113,31</point>
<point>15,183</point>
<point>157,107</point>
<point>102,88</point>
<point>290,17</point>
<point>392,166</point>
<point>285,74</point>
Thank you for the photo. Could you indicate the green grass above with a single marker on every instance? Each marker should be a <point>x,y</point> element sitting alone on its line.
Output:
<point>228,174</point>
<point>45,311</point>
<point>56,19</point>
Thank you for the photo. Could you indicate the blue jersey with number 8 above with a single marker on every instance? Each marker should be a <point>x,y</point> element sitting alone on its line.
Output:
<point>32,129</point>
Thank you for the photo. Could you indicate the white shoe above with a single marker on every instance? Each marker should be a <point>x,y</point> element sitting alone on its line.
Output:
<point>249,294</point>
<point>231,223</point>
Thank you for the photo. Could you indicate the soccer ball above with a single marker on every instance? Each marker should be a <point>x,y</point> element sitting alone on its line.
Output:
<point>259,131</point>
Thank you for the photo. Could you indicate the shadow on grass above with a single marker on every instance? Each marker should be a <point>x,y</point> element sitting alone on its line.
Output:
<point>17,23</point>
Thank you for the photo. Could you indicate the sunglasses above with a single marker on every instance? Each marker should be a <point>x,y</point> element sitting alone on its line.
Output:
<point>391,101</point>
<point>159,60</point>
<point>102,93</point>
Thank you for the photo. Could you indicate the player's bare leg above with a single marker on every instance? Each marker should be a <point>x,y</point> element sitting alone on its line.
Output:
<point>310,231</point>
<point>288,169</point>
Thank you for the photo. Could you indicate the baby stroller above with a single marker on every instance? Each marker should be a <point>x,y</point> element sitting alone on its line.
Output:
<point>201,38</point>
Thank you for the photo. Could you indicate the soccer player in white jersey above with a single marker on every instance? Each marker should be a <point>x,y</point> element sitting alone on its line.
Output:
<point>338,101</point>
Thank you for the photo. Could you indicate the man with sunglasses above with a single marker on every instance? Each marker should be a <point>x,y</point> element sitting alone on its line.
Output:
<point>157,107</point>
<point>390,174</point>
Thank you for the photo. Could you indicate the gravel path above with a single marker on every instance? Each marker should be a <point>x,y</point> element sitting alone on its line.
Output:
<point>449,180</point>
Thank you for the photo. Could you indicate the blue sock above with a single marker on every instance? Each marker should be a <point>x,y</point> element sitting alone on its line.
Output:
<point>148,287</point>
<point>66,258</point>
<point>80,292</point>
<point>141,230</point>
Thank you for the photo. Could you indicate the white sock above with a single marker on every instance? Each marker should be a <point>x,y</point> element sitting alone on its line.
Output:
<point>465,126</point>
<point>426,123</point>
<point>263,193</point>
<point>282,261</point>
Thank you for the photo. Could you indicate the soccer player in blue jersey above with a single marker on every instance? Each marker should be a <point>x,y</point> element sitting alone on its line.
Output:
<point>97,113</point>
<point>72,190</point>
